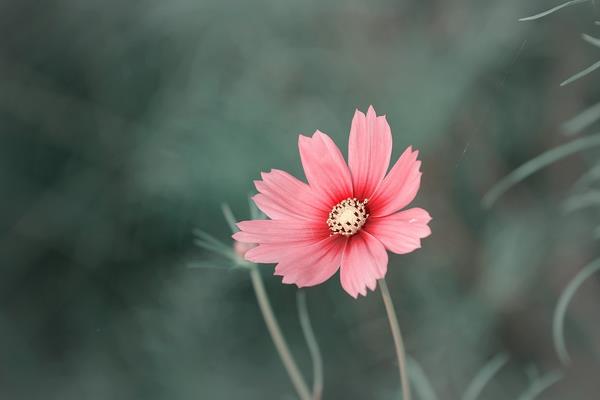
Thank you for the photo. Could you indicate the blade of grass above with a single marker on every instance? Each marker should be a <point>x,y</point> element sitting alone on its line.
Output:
<point>254,211</point>
<point>541,384</point>
<point>229,217</point>
<point>558,321</point>
<point>581,74</point>
<point>582,120</point>
<point>207,238</point>
<point>485,374</point>
<point>591,40</point>
<point>206,264</point>
<point>577,202</point>
<point>215,249</point>
<point>419,380</point>
<point>588,177</point>
<point>537,163</point>
<point>550,11</point>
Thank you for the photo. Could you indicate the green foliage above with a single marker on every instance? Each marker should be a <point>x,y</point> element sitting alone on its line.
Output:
<point>560,312</point>
<point>485,374</point>
<point>125,125</point>
<point>553,10</point>
<point>538,386</point>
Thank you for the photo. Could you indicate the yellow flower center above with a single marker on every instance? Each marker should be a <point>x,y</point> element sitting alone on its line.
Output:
<point>347,217</point>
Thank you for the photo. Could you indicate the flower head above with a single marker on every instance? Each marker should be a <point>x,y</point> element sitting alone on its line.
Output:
<point>345,217</point>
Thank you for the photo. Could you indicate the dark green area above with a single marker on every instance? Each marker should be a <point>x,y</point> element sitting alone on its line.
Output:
<point>125,125</point>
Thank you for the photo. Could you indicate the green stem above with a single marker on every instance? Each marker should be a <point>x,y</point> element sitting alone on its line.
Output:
<point>313,346</point>
<point>395,327</point>
<point>278,339</point>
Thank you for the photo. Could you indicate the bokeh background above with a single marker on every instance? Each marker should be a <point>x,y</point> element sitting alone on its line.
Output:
<point>125,125</point>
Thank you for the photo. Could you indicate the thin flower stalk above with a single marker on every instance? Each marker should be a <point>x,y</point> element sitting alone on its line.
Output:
<point>278,339</point>
<point>397,335</point>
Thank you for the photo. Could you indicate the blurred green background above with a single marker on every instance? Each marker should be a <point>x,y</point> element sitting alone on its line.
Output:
<point>125,125</point>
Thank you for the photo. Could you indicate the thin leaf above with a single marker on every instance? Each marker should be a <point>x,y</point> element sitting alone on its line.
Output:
<point>577,202</point>
<point>591,40</point>
<point>213,248</point>
<point>210,239</point>
<point>588,177</point>
<point>532,373</point>
<point>541,384</point>
<point>581,74</point>
<point>206,264</point>
<point>254,211</point>
<point>558,322</point>
<point>419,380</point>
<point>484,375</point>
<point>550,11</point>
<point>538,163</point>
<point>229,217</point>
<point>582,120</point>
<point>208,242</point>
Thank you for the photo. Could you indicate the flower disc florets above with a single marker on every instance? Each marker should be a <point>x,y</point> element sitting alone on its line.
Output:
<point>347,217</point>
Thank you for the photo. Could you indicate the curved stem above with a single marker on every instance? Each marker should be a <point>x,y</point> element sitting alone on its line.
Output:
<point>558,322</point>
<point>278,339</point>
<point>537,163</point>
<point>313,346</point>
<point>393,319</point>
<point>484,375</point>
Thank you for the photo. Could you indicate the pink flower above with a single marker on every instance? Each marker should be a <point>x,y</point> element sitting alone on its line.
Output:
<point>345,217</point>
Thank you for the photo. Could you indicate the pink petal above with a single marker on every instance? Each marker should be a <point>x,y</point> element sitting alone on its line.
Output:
<point>364,261</point>
<point>281,196</point>
<point>325,168</point>
<point>281,231</point>
<point>313,264</point>
<point>399,187</point>
<point>267,253</point>
<point>242,248</point>
<point>401,232</point>
<point>369,152</point>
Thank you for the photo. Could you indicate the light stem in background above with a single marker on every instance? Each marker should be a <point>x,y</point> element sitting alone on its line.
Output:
<point>278,339</point>
<point>395,327</point>
<point>313,346</point>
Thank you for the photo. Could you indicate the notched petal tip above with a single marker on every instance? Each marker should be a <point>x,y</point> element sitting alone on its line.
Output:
<point>322,136</point>
<point>426,217</point>
<point>303,140</point>
<point>371,114</point>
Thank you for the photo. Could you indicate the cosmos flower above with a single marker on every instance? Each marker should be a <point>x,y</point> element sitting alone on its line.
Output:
<point>345,217</point>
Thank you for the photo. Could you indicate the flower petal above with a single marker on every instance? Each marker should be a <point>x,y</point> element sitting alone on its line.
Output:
<point>369,151</point>
<point>313,264</point>
<point>268,253</point>
<point>325,167</point>
<point>281,231</point>
<point>401,232</point>
<point>364,261</point>
<point>282,196</point>
<point>399,187</point>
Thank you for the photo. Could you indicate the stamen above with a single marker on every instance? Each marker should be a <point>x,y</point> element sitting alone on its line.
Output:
<point>347,217</point>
